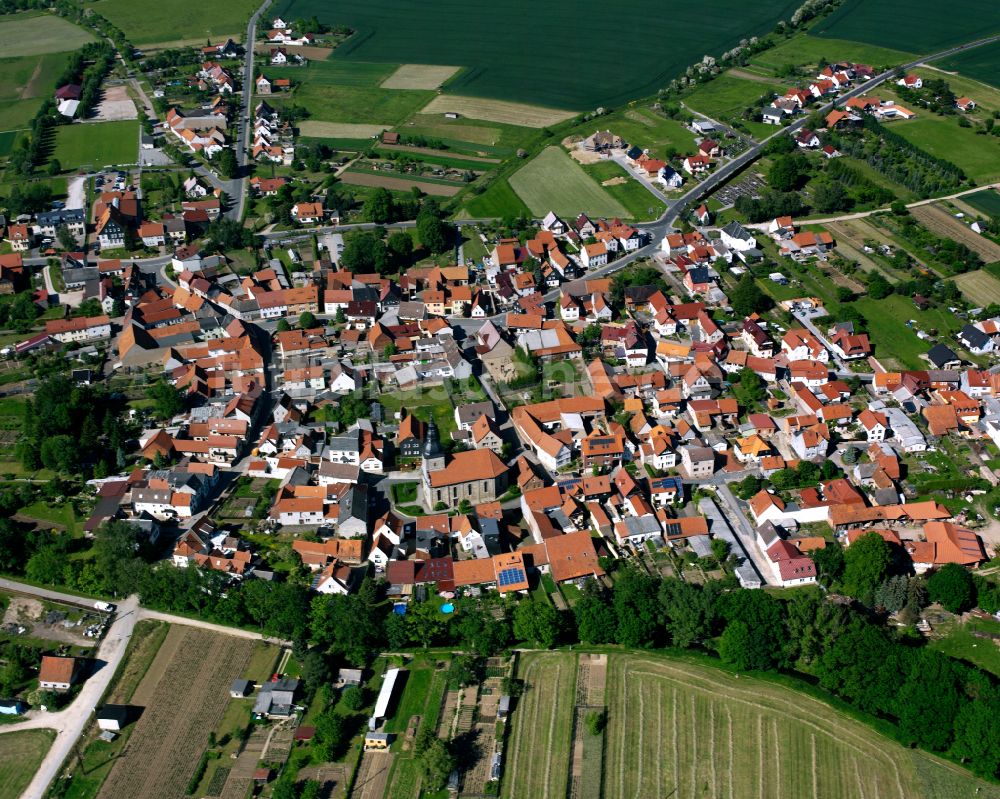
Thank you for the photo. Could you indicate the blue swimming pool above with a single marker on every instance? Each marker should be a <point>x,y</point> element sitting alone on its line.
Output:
<point>448,608</point>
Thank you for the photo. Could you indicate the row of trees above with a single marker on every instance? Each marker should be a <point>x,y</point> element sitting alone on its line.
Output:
<point>932,700</point>
<point>898,159</point>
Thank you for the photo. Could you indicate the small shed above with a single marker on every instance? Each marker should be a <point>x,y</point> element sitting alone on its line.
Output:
<point>377,740</point>
<point>240,689</point>
<point>11,707</point>
<point>503,707</point>
<point>262,776</point>
<point>304,733</point>
<point>113,717</point>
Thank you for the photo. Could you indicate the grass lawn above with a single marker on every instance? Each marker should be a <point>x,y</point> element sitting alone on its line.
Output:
<point>436,401</point>
<point>977,156</point>
<point>62,515</point>
<point>918,26</point>
<point>808,51</point>
<point>727,97</point>
<point>173,20</point>
<point>894,342</point>
<point>498,201</point>
<point>553,181</point>
<point>21,754</point>
<point>959,642</point>
<point>97,144</point>
<point>472,246</point>
<point>734,734</point>
<point>630,193</point>
<point>404,493</point>
<point>25,82</point>
<point>983,88</point>
<point>31,34</point>
<point>520,62</point>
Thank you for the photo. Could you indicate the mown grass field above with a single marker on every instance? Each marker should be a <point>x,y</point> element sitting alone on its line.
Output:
<point>175,20</point>
<point>917,26</point>
<point>626,190</point>
<point>802,51</point>
<point>986,201</point>
<point>978,156</point>
<point>553,181</point>
<point>727,96</point>
<point>979,286</point>
<point>980,63</point>
<point>21,754</point>
<point>32,34</point>
<point>97,144</point>
<point>537,759</point>
<point>335,73</point>
<point>357,103</point>
<point>499,201</point>
<point>687,729</point>
<point>512,53</point>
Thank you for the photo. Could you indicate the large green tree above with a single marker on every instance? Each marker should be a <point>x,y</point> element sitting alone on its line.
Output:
<point>866,563</point>
<point>952,586</point>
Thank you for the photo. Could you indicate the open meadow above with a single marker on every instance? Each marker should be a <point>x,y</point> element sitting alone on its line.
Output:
<point>537,760</point>
<point>806,50</point>
<point>183,694</point>
<point>917,26</point>
<point>508,49</point>
<point>979,286</point>
<point>97,144</point>
<point>32,34</point>
<point>553,181</point>
<point>175,20</point>
<point>20,755</point>
<point>977,156</point>
<point>727,96</point>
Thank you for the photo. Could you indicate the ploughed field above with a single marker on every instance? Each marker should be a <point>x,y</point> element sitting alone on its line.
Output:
<point>681,727</point>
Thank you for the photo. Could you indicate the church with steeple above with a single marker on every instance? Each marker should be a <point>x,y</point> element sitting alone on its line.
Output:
<point>477,475</point>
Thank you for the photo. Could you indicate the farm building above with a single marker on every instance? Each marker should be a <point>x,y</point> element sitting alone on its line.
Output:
<point>384,698</point>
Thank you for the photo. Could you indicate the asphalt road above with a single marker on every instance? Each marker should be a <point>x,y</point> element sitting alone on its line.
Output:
<point>238,192</point>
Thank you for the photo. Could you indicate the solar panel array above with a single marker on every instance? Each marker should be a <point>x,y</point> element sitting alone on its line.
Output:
<point>510,577</point>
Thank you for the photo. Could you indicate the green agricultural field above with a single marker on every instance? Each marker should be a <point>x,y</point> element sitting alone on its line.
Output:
<point>32,34</point>
<point>537,759</point>
<point>499,201</point>
<point>21,754</point>
<point>97,144</point>
<point>511,57</point>
<point>916,26</point>
<point>727,96</point>
<point>986,201</point>
<point>689,728</point>
<point>171,21</point>
<point>802,51</point>
<point>639,201</point>
<point>977,156</point>
<point>553,181</point>
<point>980,63</point>
<point>25,82</point>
